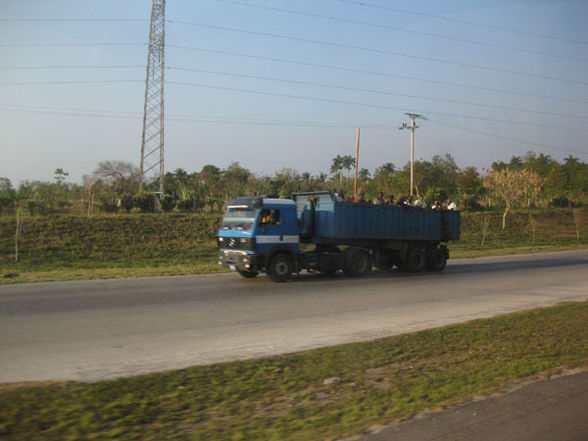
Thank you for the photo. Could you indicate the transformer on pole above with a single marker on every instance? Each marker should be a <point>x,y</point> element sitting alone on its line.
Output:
<point>152,139</point>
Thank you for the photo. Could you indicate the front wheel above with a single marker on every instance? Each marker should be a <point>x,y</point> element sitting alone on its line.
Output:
<point>281,268</point>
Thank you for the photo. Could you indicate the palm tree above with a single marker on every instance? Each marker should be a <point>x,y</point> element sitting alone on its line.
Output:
<point>348,163</point>
<point>364,174</point>
<point>337,167</point>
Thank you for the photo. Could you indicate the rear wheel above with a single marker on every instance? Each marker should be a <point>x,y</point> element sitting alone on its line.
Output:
<point>248,274</point>
<point>281,267</point>
<point>415,260</point>
<point>436,260</point>
<point>359,263</point>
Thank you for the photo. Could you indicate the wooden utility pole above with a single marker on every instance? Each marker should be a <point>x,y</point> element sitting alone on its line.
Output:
<point>356,165</point>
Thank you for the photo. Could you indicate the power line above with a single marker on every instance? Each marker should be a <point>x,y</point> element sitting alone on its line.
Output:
<point>379,92</point>
<point>206,119</point>
<point>381,51</point>
<point>466,22</point>
<point>74,82</point>
<point>56,111</point>
<point>254,122</point>
<point>64,67</point>
<point>382,74</point>
<point>66,82</point>
<point>37,44</point>
<point>87,112</point>
<point>371,105</point>
<point>506,138</point>
<point>404,30</point>
<point>71,20</point>
<point>341,20</point>
<point>321,66</point>
<point>325,85</point>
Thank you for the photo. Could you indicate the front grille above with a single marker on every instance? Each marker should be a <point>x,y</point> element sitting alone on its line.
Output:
<point>236,243</point>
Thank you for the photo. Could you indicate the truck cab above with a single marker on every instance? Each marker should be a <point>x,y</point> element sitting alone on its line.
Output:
<point>260,234</point>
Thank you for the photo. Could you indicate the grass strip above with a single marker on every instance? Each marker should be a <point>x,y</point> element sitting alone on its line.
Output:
<point>70,247</point>
<point>287,398</point>
<point>94,272</point>
<point>205,265</point>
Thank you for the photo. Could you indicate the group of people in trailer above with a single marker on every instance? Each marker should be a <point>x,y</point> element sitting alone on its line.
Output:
<point>403,201</point>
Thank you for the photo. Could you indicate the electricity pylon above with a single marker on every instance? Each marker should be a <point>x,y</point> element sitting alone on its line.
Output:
<point>152,140</point>
<point>412,127</point>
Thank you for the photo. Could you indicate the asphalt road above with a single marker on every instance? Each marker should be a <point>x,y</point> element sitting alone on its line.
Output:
<point>93,330</point>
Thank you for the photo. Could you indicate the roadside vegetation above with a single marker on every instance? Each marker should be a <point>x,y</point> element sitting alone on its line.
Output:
<point>535,180</point>
<point>105,228</point>
<point>69,247</point>
<point>314,395</point>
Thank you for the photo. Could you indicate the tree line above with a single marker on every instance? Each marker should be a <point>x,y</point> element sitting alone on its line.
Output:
<point>529,180</point>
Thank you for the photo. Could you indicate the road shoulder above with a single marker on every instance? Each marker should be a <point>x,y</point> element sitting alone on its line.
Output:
<point>553,409</point>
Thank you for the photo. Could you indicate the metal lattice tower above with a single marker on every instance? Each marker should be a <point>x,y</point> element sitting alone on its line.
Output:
<point>152,140</point>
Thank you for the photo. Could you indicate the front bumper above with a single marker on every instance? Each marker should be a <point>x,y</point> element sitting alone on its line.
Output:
<point>238,260</point>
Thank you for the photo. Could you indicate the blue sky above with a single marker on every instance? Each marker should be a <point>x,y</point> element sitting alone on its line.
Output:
<point>275,84</point>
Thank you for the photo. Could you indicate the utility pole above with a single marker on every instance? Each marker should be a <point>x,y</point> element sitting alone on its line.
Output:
<point>356,165</point>
<point>412,127</point>
<point>152,139</point>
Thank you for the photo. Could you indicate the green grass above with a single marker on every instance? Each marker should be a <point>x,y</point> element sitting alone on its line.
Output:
<point>77,247</point>
<point>285,397</point>
<point>91,272</point>
<point>71,247</point>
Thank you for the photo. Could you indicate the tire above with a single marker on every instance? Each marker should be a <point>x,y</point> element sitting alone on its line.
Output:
<point>415,260</point>
<point>436,260</point>
<point>359,263</point>
<point>248,274</point>
<point>280,268</point>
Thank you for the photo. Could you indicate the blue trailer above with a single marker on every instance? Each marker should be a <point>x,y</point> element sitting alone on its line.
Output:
<point>314,232</point>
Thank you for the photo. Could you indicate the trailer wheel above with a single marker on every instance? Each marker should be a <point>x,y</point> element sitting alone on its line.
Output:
<point>416,260</point>
<point>281,267</point>
<point>436,260</point>
<point>248,274</point>
<point>358,264</point>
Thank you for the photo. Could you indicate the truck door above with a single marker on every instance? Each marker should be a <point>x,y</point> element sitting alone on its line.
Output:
<point>277,228</point>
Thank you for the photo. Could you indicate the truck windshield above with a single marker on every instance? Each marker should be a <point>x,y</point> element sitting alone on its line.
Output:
<point>239,218</point>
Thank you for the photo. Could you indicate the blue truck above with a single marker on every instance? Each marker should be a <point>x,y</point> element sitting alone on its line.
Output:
<point>314,232</point>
